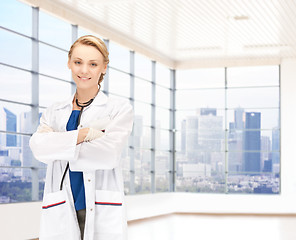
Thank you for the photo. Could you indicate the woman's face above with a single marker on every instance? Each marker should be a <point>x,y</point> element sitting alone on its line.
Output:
<point>87,65</point>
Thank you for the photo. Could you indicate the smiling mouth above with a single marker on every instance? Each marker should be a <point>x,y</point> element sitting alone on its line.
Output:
<point>84,78</point>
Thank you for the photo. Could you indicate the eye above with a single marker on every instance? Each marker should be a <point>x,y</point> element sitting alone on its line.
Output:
<point>93,64</point>
<point>77,62</point>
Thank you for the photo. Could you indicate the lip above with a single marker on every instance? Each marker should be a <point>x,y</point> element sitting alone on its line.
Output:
<point>84,78</point>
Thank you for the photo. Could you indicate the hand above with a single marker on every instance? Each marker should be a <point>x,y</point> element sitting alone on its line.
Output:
<point>93,134</point>
<point>44,129</point>
<point>82,133</point>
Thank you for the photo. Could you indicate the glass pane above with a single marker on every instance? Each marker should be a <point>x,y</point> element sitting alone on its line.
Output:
<point>253,97</point>
<point>8,12</point>
<point>50,27</point>
<point>162,167</point>
<point>15,50</point>
<point>253,76</point>
<point>128,153</point>
<point>180,141</point>
<point>163,75</point>
<point>119,83</point>
<point>52,90</point>
<point>142,135</point>
<point>162,182</point>
<point>126,181</point>
<point>15,185</point>
<point>125,156</point>
<point>200,132</point>
<point>162,139</point>
<point>21,79</point>
<point>15,118</point>
<point>200,78</point>
<point>143,111</point>
<point>143,90</point>
<point>119,57</point>
<point>191,99</point>
<point>206,174</point>
<point>193,141</point>
<point>162,118</point>
<point>26,154</point>
<point>253,150</point>
<point>82,32</point>
<point>263,183</point>
<point>41,184</point>
<point>267,118</point>
<point>253,140</point>
<point>142,171</point>
<point>162,162</point>
<point>217,114</point>
<point>53,62</point>
<point>162,97</point>
<point>143,67</point>
<point>10,148</point>
<point>254,162</point>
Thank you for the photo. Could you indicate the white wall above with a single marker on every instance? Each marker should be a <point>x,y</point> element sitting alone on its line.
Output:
<point>21,220</point>
<point>288,127</point>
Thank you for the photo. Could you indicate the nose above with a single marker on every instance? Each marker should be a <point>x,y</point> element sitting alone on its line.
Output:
<point>84,68</point>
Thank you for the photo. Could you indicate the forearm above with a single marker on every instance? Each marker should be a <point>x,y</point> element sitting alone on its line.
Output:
<point>52,146</point>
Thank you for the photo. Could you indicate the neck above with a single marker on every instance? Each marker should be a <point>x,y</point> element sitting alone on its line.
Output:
<point>85,95</point>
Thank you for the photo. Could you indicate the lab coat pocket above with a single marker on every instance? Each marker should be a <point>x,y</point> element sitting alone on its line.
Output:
<point>54,217</point>
<point>108,215</point>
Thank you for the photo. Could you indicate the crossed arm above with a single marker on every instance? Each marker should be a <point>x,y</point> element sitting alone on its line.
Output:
<point>84,134</point>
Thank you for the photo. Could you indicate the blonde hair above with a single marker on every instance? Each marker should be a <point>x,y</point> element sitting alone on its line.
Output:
<point>96,42</point>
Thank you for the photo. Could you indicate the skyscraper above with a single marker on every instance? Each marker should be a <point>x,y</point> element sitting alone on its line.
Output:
<point>238,118</point>
<point>3,128</point>
<point>183,136</point>
<point>11,140</point>
<point>192,138</point>
<point>235,141</point>
<point>208,111</point>
<point>265,149</point>
<point>275,146</point>
<point>252,142</point>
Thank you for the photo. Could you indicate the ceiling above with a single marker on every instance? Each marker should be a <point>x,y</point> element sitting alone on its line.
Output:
<point>190,33</point>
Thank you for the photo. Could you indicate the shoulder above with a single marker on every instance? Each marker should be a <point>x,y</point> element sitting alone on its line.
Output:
<point>115,101</point>
<point>54,108</point>
<point>61,104</point>
<point>119,107</point>
<point>119,103</point>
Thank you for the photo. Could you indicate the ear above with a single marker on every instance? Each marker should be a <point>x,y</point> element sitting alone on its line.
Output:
<point>68,64</point>
<point>105,69</point>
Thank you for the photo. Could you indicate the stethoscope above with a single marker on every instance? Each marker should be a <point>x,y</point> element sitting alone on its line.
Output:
<point>82,105</point>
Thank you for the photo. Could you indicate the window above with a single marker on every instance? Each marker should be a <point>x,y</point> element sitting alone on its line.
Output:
<point>18,168</point>
<point>21,23</point>
<point>253,129</point>
<point>228,130</point>
<point>226,141</point>
<point>50,27</point>
<point>22,50</point>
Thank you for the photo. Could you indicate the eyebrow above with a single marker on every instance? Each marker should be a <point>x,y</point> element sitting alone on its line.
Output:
<point>94,60</point>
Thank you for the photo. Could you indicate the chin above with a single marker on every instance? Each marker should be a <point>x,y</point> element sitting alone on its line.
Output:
<point>86,86</point>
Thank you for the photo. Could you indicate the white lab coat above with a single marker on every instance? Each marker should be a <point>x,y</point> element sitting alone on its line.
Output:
<point>100,162</point>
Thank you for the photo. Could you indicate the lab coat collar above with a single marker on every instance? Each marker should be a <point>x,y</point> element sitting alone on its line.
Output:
<point>100,99</point>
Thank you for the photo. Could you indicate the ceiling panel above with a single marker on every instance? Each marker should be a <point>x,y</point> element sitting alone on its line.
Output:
<point>190,33</point>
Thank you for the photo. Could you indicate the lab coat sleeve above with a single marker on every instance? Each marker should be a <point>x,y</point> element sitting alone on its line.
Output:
<point>52,145</point>
<point>105,152</point>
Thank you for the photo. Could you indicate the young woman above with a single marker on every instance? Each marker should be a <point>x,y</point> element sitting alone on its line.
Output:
<point>81,140</point>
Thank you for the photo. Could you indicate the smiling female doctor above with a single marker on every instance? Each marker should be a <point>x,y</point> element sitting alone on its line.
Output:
<point>81,140</point>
